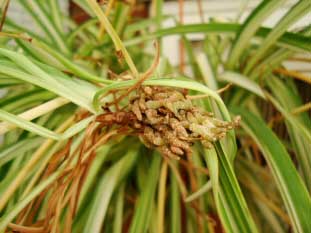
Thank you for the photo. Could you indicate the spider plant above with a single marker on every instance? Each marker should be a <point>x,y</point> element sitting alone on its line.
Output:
<point>253,180</point>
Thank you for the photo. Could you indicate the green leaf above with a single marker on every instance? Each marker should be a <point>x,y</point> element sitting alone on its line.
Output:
<point>39,53</point>
<point>290,40</point>
<point>249,28</point>
<point>143,208</point>
<point>230,203</point>
<point>242,81</point>
<point>45,22</point>
<point>101,156</point>
<point>192,60</point>
<point>20,122</point>
<point>106,187</point>
<point>25,100</point>
<point>254,179</point>
<point>118,218</point>
<point>56,16</point>
<point>175,209</point>
<point>205,188</point>
<point>278,56</point>
<point>294,194</point>
<point>288,116</point>
<point>40,130</point>
<point>11,26</point>
<point>208,62</point>
<point>18,149</point>
<point>69,65</point>
<point>300,9</point>
<point>77,91</point>
<point>12,213</point>
<point>290,99</point>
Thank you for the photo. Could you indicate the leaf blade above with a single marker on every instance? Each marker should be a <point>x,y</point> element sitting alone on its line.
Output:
<point>292,189</point>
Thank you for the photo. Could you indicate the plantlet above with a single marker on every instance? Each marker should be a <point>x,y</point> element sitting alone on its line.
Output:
<point>165,119</point>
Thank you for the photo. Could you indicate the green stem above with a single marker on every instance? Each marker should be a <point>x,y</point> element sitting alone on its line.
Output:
<point>114,36</point>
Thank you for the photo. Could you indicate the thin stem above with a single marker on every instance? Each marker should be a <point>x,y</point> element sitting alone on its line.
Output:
<point>6,7</point>
<point>114,36</point>
<point>107,12</point>
<point>157,6</point>
<point>295,111</point>
<point>303,108</point>
<point>221,90</point>
<point>261,196</point>
<point>15,35</point>
<point>293,74</point>
<point>144,76</point>
<point>181,45</point>
<point>181,185</point>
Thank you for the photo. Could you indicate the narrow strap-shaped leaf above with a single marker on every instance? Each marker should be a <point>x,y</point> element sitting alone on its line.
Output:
<point>290,99</point>
<point>291,40</point>
<point>107,185</point>
<point>25,100</point>
<point>11,214</point>
<point>231,205</point>
<point>39,54</point>
<point>205,188</point>
<point>18,149</point>
<point>242,81</point>
<point>249,28</point>
<point>159,17</point>
<point>175,216</point>
<point>278,56</point>
<point>70,66</point>
<point>44,132</point>
<point>47,77</point>
<point>56,16</point>
<point>27,125</point>
<point>144,205</point>
<point>299,10</point>
<point>263,196</point>
<point>41,17</point>
<point>294,194</point>
<point>10,25</point>
<point>304,130</point>
<point>114,36</point>
<point>119,207</point>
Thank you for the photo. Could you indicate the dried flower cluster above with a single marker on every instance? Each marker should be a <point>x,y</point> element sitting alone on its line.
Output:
<point>166,120</point>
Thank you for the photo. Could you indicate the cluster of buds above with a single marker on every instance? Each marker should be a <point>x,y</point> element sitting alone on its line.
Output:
<point>169,122</point>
